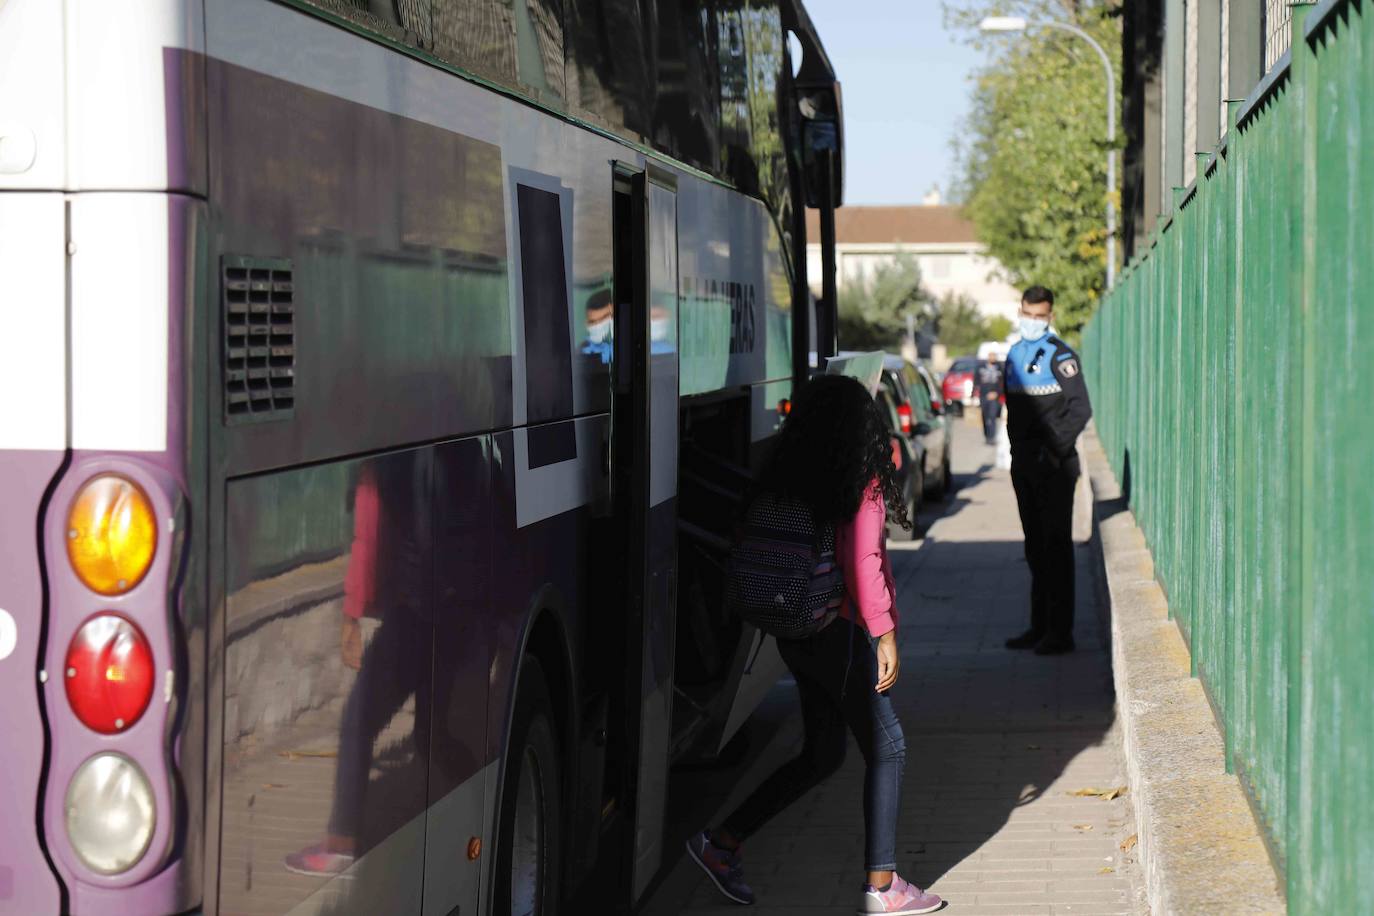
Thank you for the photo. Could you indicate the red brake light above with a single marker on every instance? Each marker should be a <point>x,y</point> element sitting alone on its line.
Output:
<point>904,416</point>
<point>109,673</point>
<point>784,407</point>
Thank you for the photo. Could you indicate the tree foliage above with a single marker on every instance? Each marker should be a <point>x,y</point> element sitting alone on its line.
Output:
<point>961,327</point>
<point>872,313</point>
<point>1032,153</point>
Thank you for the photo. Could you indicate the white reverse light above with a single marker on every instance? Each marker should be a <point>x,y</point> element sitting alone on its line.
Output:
<point>110,813</point>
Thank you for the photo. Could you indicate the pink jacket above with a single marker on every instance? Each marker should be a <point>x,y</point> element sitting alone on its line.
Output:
<point>360,580</point>
<point>861,549</point>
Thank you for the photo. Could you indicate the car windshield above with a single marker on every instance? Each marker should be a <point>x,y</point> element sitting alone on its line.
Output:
<point>967,364</point>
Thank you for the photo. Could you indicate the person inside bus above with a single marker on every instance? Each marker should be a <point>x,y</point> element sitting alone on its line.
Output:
<point>600,333</point>
<point>385,578</point>
<point>833,455</point>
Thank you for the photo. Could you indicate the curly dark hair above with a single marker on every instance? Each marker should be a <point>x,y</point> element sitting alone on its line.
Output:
<point>833,444</point>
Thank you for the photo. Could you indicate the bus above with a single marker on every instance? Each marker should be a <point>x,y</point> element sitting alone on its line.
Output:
<point>380,379</point>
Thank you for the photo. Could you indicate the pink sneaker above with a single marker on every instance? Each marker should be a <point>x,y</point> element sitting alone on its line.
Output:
<point>901,899</point>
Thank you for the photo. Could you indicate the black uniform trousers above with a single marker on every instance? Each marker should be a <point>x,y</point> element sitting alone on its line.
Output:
<point>1044,496</point>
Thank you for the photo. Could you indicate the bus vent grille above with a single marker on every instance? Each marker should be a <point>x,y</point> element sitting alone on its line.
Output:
<point>259,299</point>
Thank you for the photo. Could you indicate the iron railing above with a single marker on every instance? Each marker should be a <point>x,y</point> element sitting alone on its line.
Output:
<point>1231,370</point>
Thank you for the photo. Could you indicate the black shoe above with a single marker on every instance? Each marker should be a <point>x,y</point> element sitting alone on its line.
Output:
<point>1027,640</point>
<point>1055,645</point>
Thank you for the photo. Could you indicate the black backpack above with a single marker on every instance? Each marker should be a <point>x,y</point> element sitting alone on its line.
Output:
<point>783,577</point>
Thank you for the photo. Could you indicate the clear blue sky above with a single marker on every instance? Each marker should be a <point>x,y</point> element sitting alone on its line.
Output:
<point>905,82</point>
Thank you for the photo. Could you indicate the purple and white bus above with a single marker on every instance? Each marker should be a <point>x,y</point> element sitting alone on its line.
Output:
<point>378,379</point>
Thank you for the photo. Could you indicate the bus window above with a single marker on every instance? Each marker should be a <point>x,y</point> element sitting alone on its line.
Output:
<point>539,47</point>
<point>479,36</point>
<point>687,100</point>
<point>610,77</point>
<point>406,21</point>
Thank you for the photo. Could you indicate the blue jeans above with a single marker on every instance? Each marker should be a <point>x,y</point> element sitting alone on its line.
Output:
<point>830,701</point>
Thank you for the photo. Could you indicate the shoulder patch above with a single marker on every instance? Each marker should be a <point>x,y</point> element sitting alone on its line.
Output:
<point>1066,354</point>
<point>1068,368</point>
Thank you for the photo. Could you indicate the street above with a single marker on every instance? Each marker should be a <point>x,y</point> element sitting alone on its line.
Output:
<point>998,742</point>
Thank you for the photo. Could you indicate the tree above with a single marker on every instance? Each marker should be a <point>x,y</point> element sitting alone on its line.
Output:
<point>961,327</point>
<point>872,312</point>
<point>1032,170</point>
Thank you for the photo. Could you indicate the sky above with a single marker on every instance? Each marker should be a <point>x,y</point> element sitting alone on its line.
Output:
<point>906,84</point>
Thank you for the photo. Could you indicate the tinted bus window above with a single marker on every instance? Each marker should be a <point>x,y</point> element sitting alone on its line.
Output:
<point>687,102</point>
<point>610,73</point>
<point>539,47</point>
<point>478,36</point>
<point>406,21</point>
<point>516,43</point>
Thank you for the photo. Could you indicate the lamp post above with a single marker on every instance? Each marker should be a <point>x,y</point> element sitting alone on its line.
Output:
<point>1020,24</point>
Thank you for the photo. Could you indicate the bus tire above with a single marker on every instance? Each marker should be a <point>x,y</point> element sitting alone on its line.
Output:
<point>529,860</point>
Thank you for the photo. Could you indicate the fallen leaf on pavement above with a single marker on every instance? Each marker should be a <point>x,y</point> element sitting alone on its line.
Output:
<point>1032,747</point>
<point>1104,794</point>
<point>1082,826</point>
<point>1129,843</point>
<point>1105,870</point>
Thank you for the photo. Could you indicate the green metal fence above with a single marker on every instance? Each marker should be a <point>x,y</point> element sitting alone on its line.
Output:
<point>1232,372</point>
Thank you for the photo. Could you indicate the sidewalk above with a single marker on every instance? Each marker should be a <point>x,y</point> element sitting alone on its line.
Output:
<point>997,741</point>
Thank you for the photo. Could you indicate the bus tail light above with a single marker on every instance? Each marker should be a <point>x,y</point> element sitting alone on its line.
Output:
<point>109,674</point>
<point>904,417</point>
<point>110,813</point>
<point>111,534</point>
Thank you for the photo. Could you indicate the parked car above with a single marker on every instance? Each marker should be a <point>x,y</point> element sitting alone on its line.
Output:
<point>908,456</point>
<point>930,424</point>
<point>920,416</point>
<point>958,385</point>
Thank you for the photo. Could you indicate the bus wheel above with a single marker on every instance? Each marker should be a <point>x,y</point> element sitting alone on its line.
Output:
<point>529,861</point>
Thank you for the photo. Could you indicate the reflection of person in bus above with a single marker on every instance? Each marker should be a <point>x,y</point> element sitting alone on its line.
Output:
<point>833,456</point>
<point>600,326</point>
<point>385,579</point>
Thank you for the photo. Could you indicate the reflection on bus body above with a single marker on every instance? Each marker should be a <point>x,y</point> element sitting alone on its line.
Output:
<point>385,580</point>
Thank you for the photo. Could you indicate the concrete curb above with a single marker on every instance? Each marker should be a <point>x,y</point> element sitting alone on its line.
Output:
<point>1199,844</point>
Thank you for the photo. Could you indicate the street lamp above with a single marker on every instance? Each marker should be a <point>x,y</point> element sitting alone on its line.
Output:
<point>1020,24</point>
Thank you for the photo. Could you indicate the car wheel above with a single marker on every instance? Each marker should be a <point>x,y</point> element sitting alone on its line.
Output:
<point>529,859</point>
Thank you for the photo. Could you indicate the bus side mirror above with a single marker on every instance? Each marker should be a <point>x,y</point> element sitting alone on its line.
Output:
<point>822,145</point>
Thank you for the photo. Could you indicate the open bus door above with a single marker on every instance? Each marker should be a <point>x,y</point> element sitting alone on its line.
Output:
<point>644,434</point>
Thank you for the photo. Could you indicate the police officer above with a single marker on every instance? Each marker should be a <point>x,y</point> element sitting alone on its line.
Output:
<point>1047,407</point>
<point>990,396</point>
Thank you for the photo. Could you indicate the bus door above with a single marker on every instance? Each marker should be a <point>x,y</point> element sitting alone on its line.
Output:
<point>645,448</point>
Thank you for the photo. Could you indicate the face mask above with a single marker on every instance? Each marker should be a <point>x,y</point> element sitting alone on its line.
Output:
<point>600,331</point>
<point>1033,328</point>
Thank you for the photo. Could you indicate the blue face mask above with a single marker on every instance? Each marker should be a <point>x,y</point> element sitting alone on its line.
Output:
<point>1033,328</point>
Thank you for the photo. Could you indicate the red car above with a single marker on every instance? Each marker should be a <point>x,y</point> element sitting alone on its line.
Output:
<point>958,385</point>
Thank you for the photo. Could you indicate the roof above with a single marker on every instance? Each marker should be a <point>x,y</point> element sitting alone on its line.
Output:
<point>915,225</point>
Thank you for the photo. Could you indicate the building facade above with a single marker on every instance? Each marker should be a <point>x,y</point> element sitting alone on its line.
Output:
<point>1182,60</point>
<point>938,237</point>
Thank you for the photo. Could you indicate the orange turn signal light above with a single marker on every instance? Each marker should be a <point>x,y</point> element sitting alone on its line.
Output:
<point>111,534</point>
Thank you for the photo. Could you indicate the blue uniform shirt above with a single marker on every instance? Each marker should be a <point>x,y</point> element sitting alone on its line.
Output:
<point>1047,399</point>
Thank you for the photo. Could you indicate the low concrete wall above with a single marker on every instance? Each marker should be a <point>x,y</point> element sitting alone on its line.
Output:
<point>1200,846</point>
<point>282,662</point>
